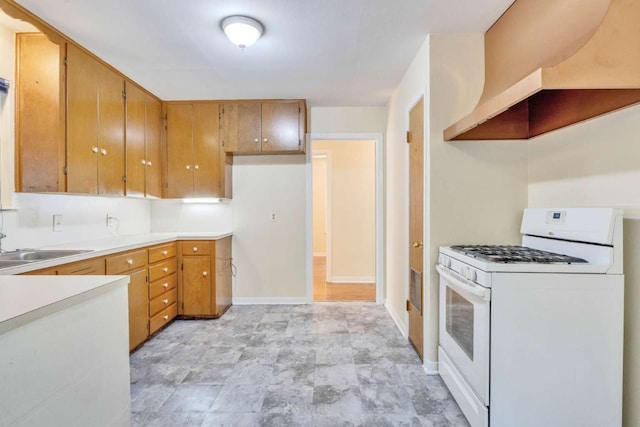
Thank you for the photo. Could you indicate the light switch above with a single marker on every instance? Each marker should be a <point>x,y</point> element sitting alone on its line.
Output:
<point>57,222</point>
<point>273,217</point>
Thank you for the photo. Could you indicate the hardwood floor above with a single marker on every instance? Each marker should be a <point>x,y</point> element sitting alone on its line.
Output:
<point>323,291</point>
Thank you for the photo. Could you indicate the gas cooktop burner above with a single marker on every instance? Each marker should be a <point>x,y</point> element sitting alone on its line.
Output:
<point>515,255</point>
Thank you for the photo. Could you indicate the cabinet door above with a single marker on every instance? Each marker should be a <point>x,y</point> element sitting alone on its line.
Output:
<point>196,282</point>
<point>241,127</point>
<point>138,309</point>
<point>39,114</point>
<point>206,150</point>
<point>110,133</point>
<point>179,150</point>
<point>153,130</point>
<point>281,127</point>
<point>135,143</point>
<point>82,122</point>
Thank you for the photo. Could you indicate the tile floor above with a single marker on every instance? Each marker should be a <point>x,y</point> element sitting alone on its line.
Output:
<point>325,364</point>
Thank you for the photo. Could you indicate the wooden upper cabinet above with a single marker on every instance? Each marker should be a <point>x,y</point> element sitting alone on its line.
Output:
<point>40,117</point>
<point>153,152</point>
<point>264,127</point>
<point>95,126</point>
<point>135,141</point>
<point>241,124</point>
<point>143,128</point>
<point>193,150</point>
<point>281,127</point>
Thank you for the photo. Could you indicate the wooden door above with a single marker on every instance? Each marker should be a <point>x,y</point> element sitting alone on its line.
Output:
<point>415,138</point>
<point>138,308</point>
<point>40,115</point>
<point>135,141</point>
<point>196,284</point>
<point>206,150</point>
<point>82,122</point>
<point>281,127</point>
<point>110,133</point>
<point>153,156</point>
<point>179,150</point>
<point>241,128</point>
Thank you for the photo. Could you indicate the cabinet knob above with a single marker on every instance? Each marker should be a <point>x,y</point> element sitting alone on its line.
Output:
<point>165,252</point>
<point>166,301</point>
<point>94,149</point>
<point>148,163</point>
<point>130,261</point>
<point>196,167</point>
<point>188,167</point>
<point>204,274</point>
<point>165,285</point>
<point>256,140</point>
<point>103,152</point>
<point>165,269</point>
<point>195,249</point>
<point>143,162</point>
<point>165,317</point>
<point>265,140</point>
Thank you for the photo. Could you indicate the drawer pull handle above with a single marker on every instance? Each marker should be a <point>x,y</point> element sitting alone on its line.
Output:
<point>165,285</point>
<point>204,274</point>
<point>165,252</point>
<point>165,317</point>
<point>195,249</point>
<point>166,301</point>
<point>165,269</point>
<point>130,261</point>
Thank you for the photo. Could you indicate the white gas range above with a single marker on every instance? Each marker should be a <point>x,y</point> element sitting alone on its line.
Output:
<point>532,335</point>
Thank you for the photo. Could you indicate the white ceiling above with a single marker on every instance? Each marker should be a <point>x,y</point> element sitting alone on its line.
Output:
<point>330,52</point>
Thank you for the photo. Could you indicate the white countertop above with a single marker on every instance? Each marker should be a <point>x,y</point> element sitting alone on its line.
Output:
<point>109,246</point>
<point>24,299</point>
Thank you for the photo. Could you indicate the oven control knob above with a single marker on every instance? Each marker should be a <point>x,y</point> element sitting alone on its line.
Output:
<point>471,274</point>
<point>446,261</point>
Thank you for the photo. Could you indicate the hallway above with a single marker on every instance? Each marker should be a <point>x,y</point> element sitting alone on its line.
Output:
<point>323,291</point>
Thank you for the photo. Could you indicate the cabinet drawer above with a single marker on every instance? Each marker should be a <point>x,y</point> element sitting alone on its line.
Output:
<point>91,266</point>
<point>163,301</point>
<point>126,262</point>
<point>162,269</point>
<point>161,286</point>
<point>162,318</point>
<point>160,253</point>
<point>196,247</point>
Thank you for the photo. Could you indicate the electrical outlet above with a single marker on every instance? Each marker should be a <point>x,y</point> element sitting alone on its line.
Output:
<point>57,222</point>
<point>274,218</point>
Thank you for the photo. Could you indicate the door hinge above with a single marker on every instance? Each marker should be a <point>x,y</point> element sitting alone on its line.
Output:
<point>299,110</point>
<point>299,143</point>
<point>408,305</point>
<point>408,137</point>
<point>124,178</point>
<point>124,95</point>
<point>65,169</point>
<point>65,61</point>
<point>182,266</point>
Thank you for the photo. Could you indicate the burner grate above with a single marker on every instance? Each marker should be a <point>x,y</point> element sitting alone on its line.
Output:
<point>515,255</point>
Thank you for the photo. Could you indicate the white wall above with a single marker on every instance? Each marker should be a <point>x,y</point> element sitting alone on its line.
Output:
<point>269,255</point>
<point>348,119</point>
<point>597,163</point>
<point>319,205</point>
<point>173,215</point>
<point>352,217</point>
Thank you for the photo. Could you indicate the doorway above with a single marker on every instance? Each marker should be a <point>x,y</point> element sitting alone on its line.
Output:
<point>343,204</point>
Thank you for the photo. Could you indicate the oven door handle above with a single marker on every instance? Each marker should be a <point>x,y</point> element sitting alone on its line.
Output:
<point>462,284</point>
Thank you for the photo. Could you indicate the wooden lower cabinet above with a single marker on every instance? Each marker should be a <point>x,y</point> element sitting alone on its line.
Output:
<point>163,292</point>
<point>203,288</point>
<point>138,309</point>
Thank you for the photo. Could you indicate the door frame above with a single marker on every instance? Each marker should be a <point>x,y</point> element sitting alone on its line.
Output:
<point>327,205</point>
<point>379,170</point>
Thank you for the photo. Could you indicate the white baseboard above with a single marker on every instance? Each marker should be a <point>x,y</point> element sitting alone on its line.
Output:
<point>397,321</point>
<point>269,301</point>
<point>320,254</point>
<point>351,279</point>
<point>431,368</point>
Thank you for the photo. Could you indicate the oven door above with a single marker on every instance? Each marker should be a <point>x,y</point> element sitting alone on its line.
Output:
<point>464,329</point>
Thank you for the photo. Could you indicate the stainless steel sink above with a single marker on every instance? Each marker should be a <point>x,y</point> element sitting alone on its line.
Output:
<point>30,255</point>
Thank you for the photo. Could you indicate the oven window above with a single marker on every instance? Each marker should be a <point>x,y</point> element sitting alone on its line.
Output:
<point>459,318</point>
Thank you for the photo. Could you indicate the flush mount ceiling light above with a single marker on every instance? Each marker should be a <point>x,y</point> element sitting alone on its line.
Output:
<point>242,30</point>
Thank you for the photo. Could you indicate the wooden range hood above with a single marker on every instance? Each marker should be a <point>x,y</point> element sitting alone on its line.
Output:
<point>550,64</point>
